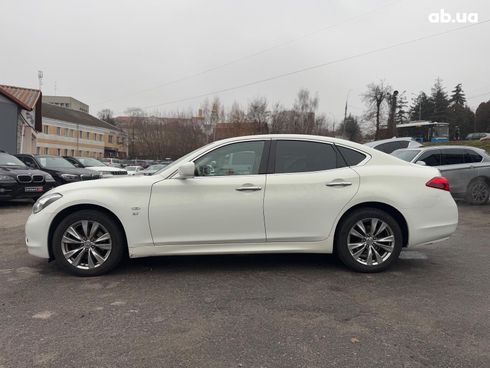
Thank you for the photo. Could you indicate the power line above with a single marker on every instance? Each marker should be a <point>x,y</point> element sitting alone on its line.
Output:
<point>479,95</point>
<point>252,55</point>
<point>317,66</point>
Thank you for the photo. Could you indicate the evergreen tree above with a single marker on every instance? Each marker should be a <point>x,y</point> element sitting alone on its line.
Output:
<point>458,96</point>
<point>401,114</point>
<point>440,102</point>
<point>460,117</point>
<point>422,107</point>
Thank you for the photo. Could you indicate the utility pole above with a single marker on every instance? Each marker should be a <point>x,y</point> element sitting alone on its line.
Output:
<point>40,76</point>
<point>345,113</point>
<point>391,121</point>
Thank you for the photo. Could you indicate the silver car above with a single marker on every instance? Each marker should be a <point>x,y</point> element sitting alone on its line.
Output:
<point>392,144</point>
<point>466,168</point>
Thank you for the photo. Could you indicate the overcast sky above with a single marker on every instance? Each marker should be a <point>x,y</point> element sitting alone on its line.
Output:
<point>118,54</point>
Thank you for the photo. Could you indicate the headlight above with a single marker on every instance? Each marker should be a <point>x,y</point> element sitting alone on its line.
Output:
<point>45,201</point>
<point>49,179</point>
<point>7,179</point>
<point>70,177</point>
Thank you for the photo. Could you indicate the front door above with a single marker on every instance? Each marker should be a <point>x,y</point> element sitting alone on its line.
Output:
<point>223,203</point>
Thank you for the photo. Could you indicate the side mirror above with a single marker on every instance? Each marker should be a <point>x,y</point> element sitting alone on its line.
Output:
<point>187,170</point>
<point>421,163</point>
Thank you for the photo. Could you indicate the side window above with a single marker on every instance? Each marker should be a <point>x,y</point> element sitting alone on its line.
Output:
<point>452,156</point>
<point>302,156</point>
<point>431,158</point>
<point>234,159</point>
<point>472,157</point>
<point>350,156</point>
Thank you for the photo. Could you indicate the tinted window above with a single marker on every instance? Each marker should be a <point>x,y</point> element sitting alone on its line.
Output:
<point>350,156</point>
<point>471,157</point>
<point>431,158</point>
<point>391,146</point>
<point>452,156</point>
<point>301,156</point>
<point>28,161</point>
<point>234,159</point>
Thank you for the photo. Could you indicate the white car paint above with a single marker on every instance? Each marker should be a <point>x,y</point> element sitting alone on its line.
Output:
<point>163,214</point>
<point>107,171</point>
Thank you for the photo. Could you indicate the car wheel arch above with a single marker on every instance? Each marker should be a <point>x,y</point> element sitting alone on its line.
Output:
<point>395,213</point>
<point>75,208</point>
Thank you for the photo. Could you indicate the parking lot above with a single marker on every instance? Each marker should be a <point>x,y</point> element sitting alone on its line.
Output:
<point>431,309</point>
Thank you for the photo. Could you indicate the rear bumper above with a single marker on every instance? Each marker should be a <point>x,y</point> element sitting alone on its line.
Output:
<point>432,224</point>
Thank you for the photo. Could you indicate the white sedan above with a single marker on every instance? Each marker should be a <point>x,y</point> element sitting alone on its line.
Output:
<point>256,194</point>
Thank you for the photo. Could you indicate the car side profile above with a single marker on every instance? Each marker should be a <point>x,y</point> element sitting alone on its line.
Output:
<point>95,165</point>
<point>255,194</point>
<point>467,168</point>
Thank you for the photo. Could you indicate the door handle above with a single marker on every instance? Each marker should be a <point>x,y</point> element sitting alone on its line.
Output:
<point>338,184</point>
<point>249,188</point>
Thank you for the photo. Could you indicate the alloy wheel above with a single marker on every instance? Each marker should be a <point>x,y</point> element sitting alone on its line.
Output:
<point>371,241</point>
<point>86,244</point>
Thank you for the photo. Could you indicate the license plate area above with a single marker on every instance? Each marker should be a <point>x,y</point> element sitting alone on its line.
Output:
<point>33,189</point>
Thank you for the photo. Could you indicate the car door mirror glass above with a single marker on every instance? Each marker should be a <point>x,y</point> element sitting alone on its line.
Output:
<point>187,170</point>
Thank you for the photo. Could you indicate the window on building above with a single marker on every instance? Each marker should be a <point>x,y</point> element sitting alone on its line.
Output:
<point>73,152</point>
<point>110,139</point>
<point>80,134</point>
<point>46,129</point>
<point>66,152</point>
<point>59,152</point>
<point>38,150</point>
<point>88,135</point>
<point>46,150</point>
<point>58,131</point>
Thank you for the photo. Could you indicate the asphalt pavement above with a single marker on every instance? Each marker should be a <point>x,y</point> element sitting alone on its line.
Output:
<point>431,309</point>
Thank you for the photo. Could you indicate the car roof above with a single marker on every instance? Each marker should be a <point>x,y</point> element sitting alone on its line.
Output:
<point>394,139</point>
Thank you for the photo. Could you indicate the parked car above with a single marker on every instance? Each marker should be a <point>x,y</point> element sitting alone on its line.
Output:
<point>113,162</point>
<point>96,165</point>
<point>286,194</point>
<point>134,170</point>
<point>466,168</point>
<point>485,138</point>
<point>392,144</point>
<point>60,169</point>
<point>475,136</point>
<point>150,170</point>
<point>17,181</point>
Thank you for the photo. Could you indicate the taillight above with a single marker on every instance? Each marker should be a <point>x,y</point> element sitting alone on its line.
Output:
<point>438,182</point>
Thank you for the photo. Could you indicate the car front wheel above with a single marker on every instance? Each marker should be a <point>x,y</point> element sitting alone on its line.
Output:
<point>88,243</point>
<point>369,240</point>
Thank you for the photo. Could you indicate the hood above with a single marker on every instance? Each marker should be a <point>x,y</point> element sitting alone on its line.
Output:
<point>104,168</point>
<point>4,170</point>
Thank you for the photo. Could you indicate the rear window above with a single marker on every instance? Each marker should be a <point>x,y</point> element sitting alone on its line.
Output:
<point>391,146</point>
<point>472,157</point>
<point>350,156</point>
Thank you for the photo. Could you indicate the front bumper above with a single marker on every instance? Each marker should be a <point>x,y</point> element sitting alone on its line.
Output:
<point>36,230</point>
<point>19,191</point>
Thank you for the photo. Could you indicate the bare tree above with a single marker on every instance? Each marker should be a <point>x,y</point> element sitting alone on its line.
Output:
<point>375,98</point>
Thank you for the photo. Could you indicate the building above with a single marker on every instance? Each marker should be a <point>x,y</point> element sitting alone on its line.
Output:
<point>66,102</point>
<point>68,132</point>
<point>20,119</point>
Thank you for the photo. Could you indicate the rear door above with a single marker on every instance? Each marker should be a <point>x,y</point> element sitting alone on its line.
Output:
<point>455,168</point>
<point>308,185</point>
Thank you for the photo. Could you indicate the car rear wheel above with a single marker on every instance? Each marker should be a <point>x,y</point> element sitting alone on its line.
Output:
<point>369,240</point>
<point>88,243</point>
<point>478,192</point>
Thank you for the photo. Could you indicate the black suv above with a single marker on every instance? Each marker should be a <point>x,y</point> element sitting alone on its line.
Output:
<point>18,181</point>
<point>61,170</point>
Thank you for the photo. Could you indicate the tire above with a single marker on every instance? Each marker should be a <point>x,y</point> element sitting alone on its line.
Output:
<point>478,192</point>
<point>88,243</point>
<point>367,254</point>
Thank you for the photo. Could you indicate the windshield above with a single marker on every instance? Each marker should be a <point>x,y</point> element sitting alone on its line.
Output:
<point>90,162</point>
<point>405,155</point>
<point>54,162</point>
<point>155,167</point>
<point>9,160</point>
